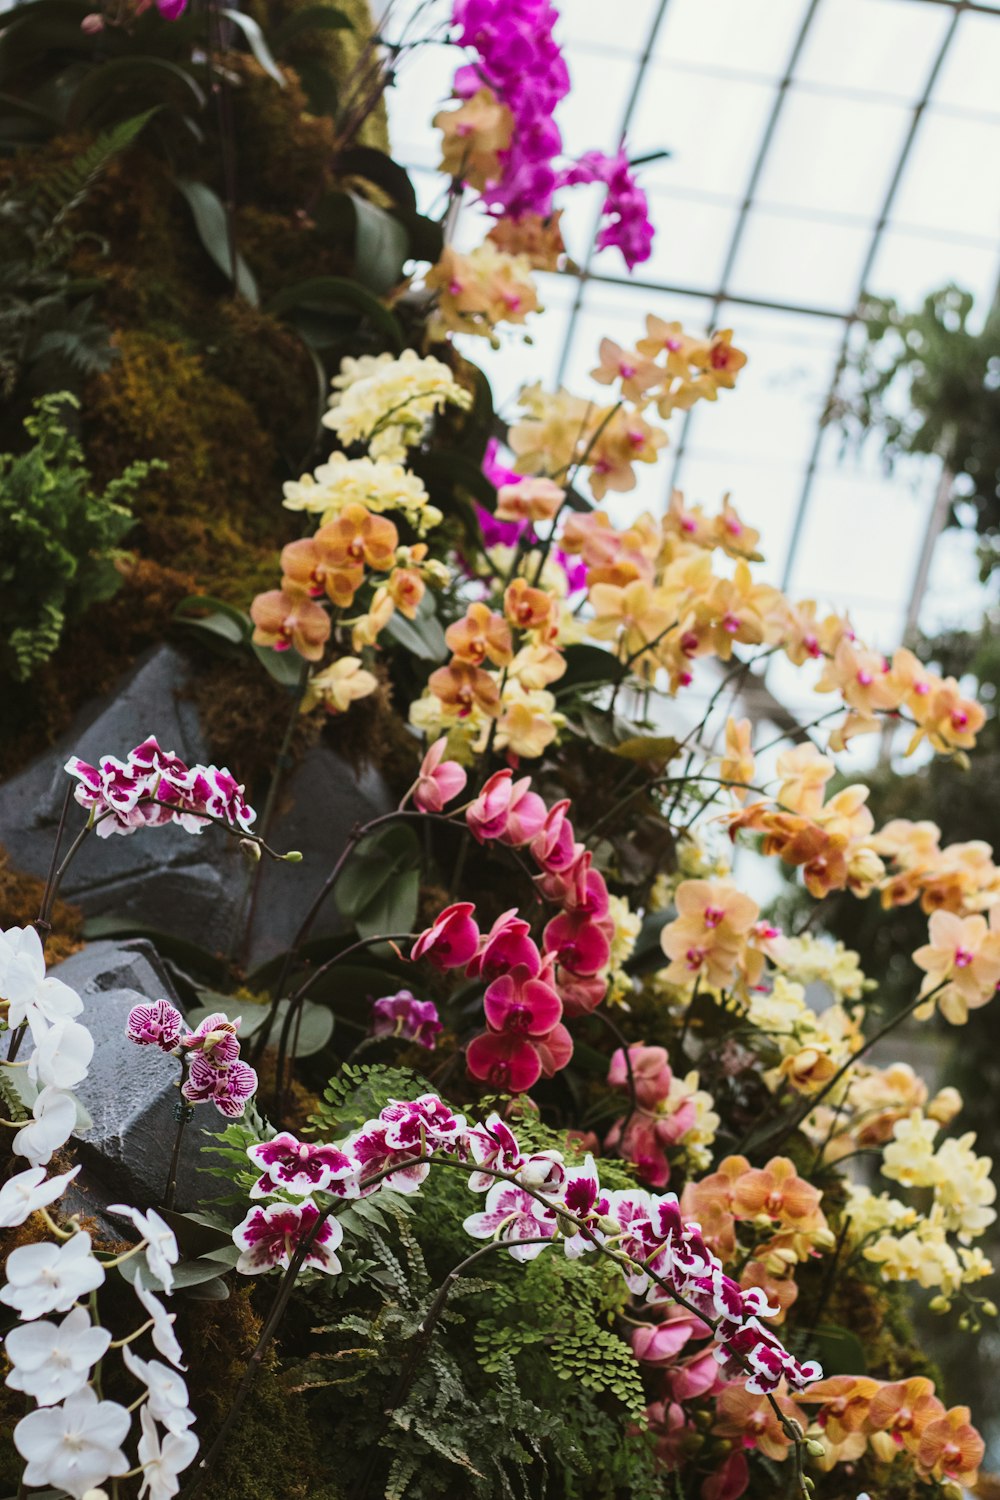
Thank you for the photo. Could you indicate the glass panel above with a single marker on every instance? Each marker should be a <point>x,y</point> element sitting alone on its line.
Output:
<point>599,76</point>
<point>589,22</point>
<point>785,258</point>
<point>968,77</point>
<point>423,83</point>
<point>884,46</point>
<point>908,266</point>
<point>753,36</point>
<point>692,238</point>
<point>681,112</point>
<point>951,181</point>
<point>833,154</point>
<point>765,494</point>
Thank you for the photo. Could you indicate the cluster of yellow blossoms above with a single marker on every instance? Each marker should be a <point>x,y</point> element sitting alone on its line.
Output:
<point>387,401</point>
<point>475,292</point>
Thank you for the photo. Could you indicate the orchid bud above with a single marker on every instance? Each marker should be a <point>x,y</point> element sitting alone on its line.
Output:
<point>250,850</point>
<point>293,857</point>
<point>814,1448</point>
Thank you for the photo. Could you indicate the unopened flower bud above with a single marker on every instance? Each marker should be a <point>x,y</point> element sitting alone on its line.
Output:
<point>945,1105</point>
<point>989,1308</point>
<point>92,25</point>
<point>815,1448</point>
<point>293,857</point>
<point>939,1304</point>
<point>250,850</point>
<point>608,1226</point>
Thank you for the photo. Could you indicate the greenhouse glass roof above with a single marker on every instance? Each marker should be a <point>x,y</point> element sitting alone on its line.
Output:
<point>817,149</point>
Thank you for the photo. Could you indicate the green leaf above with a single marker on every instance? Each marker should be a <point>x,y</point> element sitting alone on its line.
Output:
<point>380,884</point>
<point>191,955</point>
<point>319,86</point>
<point>150,79</point>
<point>423,636</point>
<point>285,667</point>
<point>328,294</point>
<point>311,18</point>
<point>212,224</point>
<point>451,471</point>
<point>314,1031</point>
<point>838,1350</point>
<point>187,1273</point>
<point>258,46</point>
<point>380,242</point>
<point>377,167</point>
<point>588,667</point>
<point>656,748</point>
<point>224,621</point>
<point>195,1233</point>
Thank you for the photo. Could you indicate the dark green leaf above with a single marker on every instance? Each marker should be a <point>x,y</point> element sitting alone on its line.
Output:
<point>380,242</point>
<point>319,86</point>
<point>224,622</point>
<point>285,667</point>
<point>838,1350</point>
<point>656,748</point>
<point>423,636</point>
<point>588,666</point>
<point>258,46</point>
<point>380,884</point>
<point>315,1025</point>
<point>335,293</point>
<point>311,18</point>
<point>146,78</point>
<point>212,224</point>
<point>365,161</point>
<point>446,472</point>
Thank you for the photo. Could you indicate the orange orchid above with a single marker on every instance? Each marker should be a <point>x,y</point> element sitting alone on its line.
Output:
<point>636,615</point>
<point>670,339</point>
<point>461,686</point>
<point>951,1448</point>
<point>358,537</point>
<point>620,439</point>
<point>539,239</point>
<point>964,955</point>
<point>310,564</point>
<point>529,500</point>
<point>536,666</point>
<point>903,1409</point>
<point>481,634</point>
<point>844,1401</point>
<point>804,772</point>
<point>737,766</point>
<point>473,134</point>
<point>781,1291</point>
<point>526,607</point>
<point>776,1191</point>
<point>721,359</point>
<point>289,617</point>
<point>689,522</point>
<point>862,677</point>
<point>948,719</point>
<point>406,588</point>
<point>739,1414</point>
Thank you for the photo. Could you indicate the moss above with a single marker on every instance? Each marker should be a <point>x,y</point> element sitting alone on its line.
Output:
<point>244,713</point>
<point>20,898</point>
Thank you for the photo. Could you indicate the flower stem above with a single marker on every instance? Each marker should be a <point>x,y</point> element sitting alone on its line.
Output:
<point>183,1113</point>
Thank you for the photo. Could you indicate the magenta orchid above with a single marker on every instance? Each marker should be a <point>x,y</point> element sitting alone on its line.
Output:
<point>452,939</point>
<point>511,1214</point>
<point>157,1024</point>
<point>152,787</point>
<point>269,1236</point>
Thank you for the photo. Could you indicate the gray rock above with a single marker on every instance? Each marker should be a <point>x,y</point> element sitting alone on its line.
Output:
<point>189,885</point>
<point>130,1091</point>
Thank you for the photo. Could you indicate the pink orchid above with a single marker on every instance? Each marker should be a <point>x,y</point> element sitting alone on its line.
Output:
<point>513,1216</point>
<point>487,815</point>
<point>580,995</point>
<point>439,781</point>
<point>555,1049</point>
<point>297,1166</point>
<point>403,1016</point>
<point>452,939</point>
<point>156,1023</point>
<point>660,1343</point>
<point>369,1148</point>
<point>268,1238</point>
<point>526,817</point>
<point>517,1002</point>
<point>228,1088</point>
<point>730,1480</point>
<point>694,1377</point>
<point>505,1060</point>
<point>651,1073</point>
<point>578,943</point>
<point>553,848</point>
<point>507,944</point>
<point>670,1425</point>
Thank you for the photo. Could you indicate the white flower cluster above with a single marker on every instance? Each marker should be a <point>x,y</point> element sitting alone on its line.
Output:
<point>377,485</point>
<point>72,1440</point>
<point>388,402</point>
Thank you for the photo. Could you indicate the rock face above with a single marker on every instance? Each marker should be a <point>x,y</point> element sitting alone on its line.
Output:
<point>130,1091</point>
<point>190,885</point>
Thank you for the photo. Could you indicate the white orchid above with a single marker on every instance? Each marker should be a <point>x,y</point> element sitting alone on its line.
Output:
<point>163,1461</point>
<point>52,1360</point>
<point>168,1394</point>
<point>62,1055</point>
<point>161,1244</point>
<point>75,1446</point>
<point>32,996</point>
<point>162,1332</point>
<point>29,1191</point>
<point>46,1278</point>
<point>53,1122</point>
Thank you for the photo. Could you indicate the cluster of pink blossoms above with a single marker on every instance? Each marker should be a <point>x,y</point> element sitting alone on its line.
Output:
<point>528,990</point>
<point>403,1015</point>
<point>151,787</point>
<point>527,1198</point>
<point>216,1073</point>
<point>657,1120</point>
<point>520,61</point>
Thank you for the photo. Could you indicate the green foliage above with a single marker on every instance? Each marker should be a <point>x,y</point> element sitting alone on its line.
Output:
<point>58,537</point>
<point>47,317</point>
<point>927,382</point>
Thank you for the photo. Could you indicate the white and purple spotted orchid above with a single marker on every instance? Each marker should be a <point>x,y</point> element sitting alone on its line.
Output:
<point>425,1124</point>
<point>269,1236</point>
<point>511,1214</point>
<point>492,1145</point>
<point>216,1039</point>
<point>374,1155</point>
<point>155,1023</point>
<point>298,1167</point>
<point>152,787</point>
<point>229,1088</point>
<point>581,1195</point>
